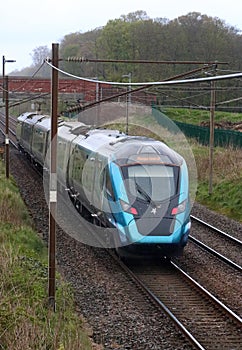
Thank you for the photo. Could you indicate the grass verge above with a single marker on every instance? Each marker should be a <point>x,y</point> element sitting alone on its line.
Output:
<point>196,116</point>
<point>226,197</point>
<point>26,321</point>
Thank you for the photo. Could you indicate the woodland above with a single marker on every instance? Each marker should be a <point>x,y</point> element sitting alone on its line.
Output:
<point>181,43</point>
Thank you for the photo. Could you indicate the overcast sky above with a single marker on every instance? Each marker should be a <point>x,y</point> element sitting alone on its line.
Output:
<point>27,24</point>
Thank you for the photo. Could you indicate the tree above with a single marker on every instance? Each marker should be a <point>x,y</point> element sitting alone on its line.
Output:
<point>80,45</point>
<point>39,54</point>
<point>135,16</point>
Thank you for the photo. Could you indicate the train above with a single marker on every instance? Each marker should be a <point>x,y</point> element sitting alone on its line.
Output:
<point>135,185</point>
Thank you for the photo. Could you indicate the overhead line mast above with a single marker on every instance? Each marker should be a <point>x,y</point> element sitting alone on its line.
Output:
<point>53,179</point>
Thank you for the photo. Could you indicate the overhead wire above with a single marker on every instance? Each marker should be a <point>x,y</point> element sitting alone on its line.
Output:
<point>170,82</point>
<point>147,84</point>
<point>143,84</point>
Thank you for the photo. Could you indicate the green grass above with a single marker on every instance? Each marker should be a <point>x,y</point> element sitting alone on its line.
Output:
<point>226,197</point>
<point>196,116</point>
<point>26,321</point>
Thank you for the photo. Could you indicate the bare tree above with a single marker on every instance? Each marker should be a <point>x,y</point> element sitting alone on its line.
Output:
<point>39,54</point>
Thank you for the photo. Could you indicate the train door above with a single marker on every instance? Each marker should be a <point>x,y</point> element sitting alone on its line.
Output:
<point>110,205</point>
<point>27,136</point>
<point>97,196</point>
<point>88,178</point>
<point>38,144</point>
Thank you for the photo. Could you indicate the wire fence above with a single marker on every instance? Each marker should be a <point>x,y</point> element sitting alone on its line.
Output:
<point>222,137</point>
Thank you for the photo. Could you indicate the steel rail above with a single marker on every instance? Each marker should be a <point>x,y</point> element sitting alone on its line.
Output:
<point>158,302</point>
<point>228,311</point>
<point>216,229</point>
<point>216,254</point>
<point>169,313</point>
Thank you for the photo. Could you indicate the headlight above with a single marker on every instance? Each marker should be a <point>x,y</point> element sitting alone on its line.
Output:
<point>180,208</point>
<point>127,208</point>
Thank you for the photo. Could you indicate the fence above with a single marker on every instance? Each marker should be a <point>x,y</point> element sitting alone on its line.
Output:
<point>222,137</point>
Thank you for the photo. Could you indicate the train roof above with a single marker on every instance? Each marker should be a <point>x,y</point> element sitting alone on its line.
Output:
<point>133,149</point>
<point>25,115</point>
<point>43,123</point>
<point>112,144</point>
<point>97,139</point>
<point>31,118</point>
<point>125,149</point>
<point>70,130</point>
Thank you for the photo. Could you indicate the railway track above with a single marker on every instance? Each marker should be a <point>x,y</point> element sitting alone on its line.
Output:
<point>205,321</point>
<point>217,242</point>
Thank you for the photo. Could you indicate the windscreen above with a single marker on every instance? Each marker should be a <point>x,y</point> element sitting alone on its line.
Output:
<point>156,182</point>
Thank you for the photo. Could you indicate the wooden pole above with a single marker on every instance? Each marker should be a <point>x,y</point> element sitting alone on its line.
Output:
<point>53,178</point>
<point>5,94</point>
<point>211,139</point>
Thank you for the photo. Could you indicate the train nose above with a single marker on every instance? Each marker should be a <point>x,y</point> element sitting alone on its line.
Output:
<point>155,226</point>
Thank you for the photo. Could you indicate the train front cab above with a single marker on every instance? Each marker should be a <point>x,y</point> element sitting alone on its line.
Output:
<point>149,224</point>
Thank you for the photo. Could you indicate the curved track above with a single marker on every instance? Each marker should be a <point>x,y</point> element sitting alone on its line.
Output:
<point>206,322</point>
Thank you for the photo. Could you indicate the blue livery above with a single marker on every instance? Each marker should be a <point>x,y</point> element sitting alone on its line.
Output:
<point>136,185</point>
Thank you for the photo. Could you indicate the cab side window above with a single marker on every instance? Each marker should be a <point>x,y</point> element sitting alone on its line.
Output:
<point>108,184</point>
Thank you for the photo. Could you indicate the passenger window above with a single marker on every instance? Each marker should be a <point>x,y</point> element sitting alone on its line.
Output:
<point>108,185</point>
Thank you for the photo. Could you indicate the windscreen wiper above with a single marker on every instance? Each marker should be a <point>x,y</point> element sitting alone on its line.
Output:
<point>144,194</point>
